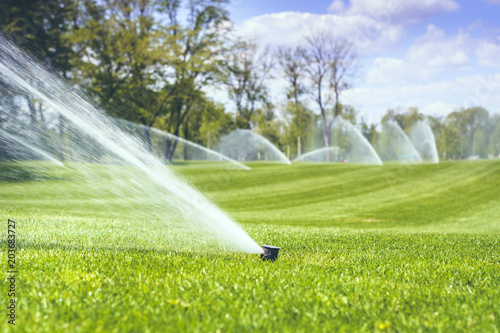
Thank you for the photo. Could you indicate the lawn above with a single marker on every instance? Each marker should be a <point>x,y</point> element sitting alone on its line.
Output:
<point>364,248</point>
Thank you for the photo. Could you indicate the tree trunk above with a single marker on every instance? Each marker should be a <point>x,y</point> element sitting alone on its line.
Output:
<point>186,136</point>
<point>147,138</point>
<point>42,115</point>
<point>326,137</point>
<point>174,146</point>
<point>171,146</point>
<point>61,127</point>
<point>168,146</point>
<point>299,146</point>
<point>32,108</point>
<point>337,102</point>
<point>298,115</point>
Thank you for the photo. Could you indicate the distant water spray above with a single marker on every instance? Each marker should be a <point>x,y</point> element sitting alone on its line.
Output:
<point>163,143</point>
<point>423,139</point>
<point>393,145</point>
<point>354,147</point>
<point>245,145</point>
<point>348,145</point>
<point>37,151</point>
<point>320,155</point>
<point>167,198</point>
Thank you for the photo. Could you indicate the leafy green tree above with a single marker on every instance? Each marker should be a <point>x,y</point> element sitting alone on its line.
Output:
<point>480,143</point>
<point>297,125</point>
<point>459,129</point>
<point>331,65</point>
<point>456,145</point>
<point>147,61</point>
<point>208,121</point>
<point>247,68</point>
<point>349,113</point>
<point>193,49</point>
<point>494,144</point>
<point>40,27</point>
<point>115,54</point>
<point>405,119</point>
<point>293,65</point>
<point>369,132</point>
<point>267,124</point>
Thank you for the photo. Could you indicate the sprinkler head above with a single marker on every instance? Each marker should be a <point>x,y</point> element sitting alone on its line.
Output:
<point>269,252</point>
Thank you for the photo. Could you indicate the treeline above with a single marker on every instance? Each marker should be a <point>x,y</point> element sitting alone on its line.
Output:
<point>144,61</point>
<point>462,134</point>
<point>157,63</point>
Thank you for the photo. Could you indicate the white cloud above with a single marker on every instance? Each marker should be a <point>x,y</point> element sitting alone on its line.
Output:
<point>394,70</point>
<point>488,53</point>
<point>366,33</point>
<point>433,98</point>
<point>423,76</point>
<point>431,55</point>
<point>395,10</point>
<point>434,49</point>
<point>439,108</point>
<point>336,6</point>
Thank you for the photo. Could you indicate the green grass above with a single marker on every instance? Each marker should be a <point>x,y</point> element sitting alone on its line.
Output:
<point>393,248</point>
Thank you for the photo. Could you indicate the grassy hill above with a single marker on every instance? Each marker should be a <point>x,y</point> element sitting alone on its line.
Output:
<point>447,196</point>
<point>392,248</point>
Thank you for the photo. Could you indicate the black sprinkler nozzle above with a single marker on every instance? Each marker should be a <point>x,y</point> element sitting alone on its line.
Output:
<point>269,252</point>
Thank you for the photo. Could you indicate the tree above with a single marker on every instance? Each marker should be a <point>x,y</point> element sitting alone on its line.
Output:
<point>405,119</point>
<point>343,68</point>
<point>494,145</point>
<point>115,54</point>
<point>459,129</point>
<point>116,44</point>
<point>150,60</point>
<point>193,55</point>
<point>213,123</point>
<point>296,127</point>
<point>480,143</point>
<point>247,69</point>
<point>40,27</point>
<point>331,65</point>
<point>267,124</point>
<point>293,65</point>
<point>9,110</point>
<point>369,132</point>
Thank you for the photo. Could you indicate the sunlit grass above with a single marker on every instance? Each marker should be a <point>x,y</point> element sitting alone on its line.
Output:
<point>391,248</point>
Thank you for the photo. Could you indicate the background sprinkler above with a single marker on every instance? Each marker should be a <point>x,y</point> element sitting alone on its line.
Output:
<point>269,252</point>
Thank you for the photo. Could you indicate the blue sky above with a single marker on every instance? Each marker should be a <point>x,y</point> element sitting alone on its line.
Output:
<point>438,55</point>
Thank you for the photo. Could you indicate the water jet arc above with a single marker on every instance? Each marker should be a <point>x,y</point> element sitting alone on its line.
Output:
<point>210,155</point>
<point>245,145</point>
<point>34,149</point>
<point>319,155</point>
<point>424,141</point>
<point>24,73</point>
<point>394,145</point>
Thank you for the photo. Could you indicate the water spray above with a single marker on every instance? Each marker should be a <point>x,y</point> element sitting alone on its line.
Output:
<point>173,201</point>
